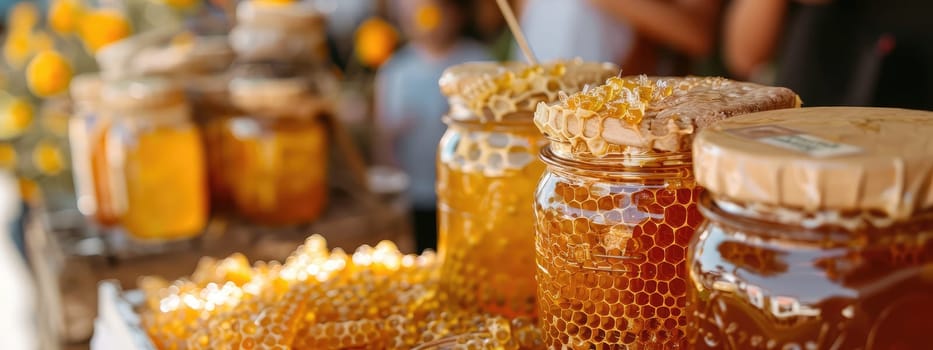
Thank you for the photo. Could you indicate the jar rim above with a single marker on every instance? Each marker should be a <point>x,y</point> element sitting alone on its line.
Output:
<point>846,224</point>
<point>636,167</point>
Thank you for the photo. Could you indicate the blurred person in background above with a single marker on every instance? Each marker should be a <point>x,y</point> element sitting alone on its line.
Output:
<point>643,36</point>
<point>836,52</point>
<point>409,105</point>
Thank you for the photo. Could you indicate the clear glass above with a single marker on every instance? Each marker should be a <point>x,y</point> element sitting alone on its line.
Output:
<point>763,284</point>
<point>277,168</point>
<point>486,177</point>
<point>87,135</point>
<point>157,173</point>
<point>611,245</point>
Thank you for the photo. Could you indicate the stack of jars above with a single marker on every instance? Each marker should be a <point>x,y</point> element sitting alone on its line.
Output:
<point>258,144</point>
<point>272,159</point>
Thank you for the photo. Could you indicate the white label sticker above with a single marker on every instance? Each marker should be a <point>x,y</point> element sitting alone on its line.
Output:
<point>795,140</point>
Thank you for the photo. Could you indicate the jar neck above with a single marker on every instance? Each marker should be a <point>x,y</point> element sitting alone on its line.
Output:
<point>514,125</point>
<point>166,115</point>
<point>825,225</point>
<point>646,166</point>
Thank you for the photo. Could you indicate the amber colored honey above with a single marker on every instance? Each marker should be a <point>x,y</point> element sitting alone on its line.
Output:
<point>277,168</point>
<point>764,285</point>
<point>611,249</point>
<point>319,299</point>
<point>485,185</point>
<point>106,213</point>
<point>164,181</point>
<point>215,133</point>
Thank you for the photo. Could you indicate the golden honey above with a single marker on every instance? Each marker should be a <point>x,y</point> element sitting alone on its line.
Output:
<point>156,161</point>
<point>617,207</point>
<point>486,174</point>
<point>277,152</point>
<point>485,222</point>
<point>845,266</point>
<point>611,245</point>
<point>375,298</point>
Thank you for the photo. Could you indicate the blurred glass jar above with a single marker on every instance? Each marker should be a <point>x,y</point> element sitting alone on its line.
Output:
<point>212,111</point>
<point>278,150</point>
<point>156,160</point>
<point>87,134</point>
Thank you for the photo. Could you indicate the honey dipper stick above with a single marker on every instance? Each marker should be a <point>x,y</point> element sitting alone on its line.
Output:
<point>516,31</point>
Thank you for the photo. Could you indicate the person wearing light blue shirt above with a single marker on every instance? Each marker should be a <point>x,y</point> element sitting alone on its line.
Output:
<point>409,106</point>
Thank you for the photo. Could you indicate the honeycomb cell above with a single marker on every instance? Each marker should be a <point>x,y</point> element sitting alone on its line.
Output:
<point>486,227</point>
<point>622,274</point>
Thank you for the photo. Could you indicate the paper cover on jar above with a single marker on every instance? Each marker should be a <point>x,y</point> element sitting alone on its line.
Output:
<point>838,158</point>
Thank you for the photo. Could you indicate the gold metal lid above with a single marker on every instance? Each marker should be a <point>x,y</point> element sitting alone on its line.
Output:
<point>816,159</point>
<point>491,91</point>
<point>638,115</point>
<point>142,93</point>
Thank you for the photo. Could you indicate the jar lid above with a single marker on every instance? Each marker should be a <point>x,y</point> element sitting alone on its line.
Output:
<point>491,91</point>
<point>300,14</point>
<point>273,96</point>
<point>830,158</point>
<point>141,93</point>
<point>86,87</point>
<point>638,115</point>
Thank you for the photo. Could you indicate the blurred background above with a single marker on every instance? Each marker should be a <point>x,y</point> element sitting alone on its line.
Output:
<point>375,65</point>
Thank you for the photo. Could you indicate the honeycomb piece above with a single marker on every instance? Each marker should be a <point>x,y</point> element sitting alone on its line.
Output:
<point>612,262</point>
<point>641,114</point>
<point>262,325</point>
<point>492,91</point>
<point>376,298</point>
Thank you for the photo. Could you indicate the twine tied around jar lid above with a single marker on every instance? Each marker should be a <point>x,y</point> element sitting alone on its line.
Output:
<point>875,161</point>
<point>141,94</point>
<point>278,97</point>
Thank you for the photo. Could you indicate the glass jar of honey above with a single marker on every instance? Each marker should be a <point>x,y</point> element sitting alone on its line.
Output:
<point>155,160</point>
<point>487,172</point>
<point>87,135</point>
<point>819,231</point>
<point>212,110</point>
<point>617,206</point>
<point>278,150</point>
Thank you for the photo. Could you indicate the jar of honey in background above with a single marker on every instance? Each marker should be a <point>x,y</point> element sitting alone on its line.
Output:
<point>617,206</point>
<point>212,110</point>
<point>87,135</point>
<point>278,149</point>
<point>486,175</point>
<point>819,232</point>
<point>155,160</point>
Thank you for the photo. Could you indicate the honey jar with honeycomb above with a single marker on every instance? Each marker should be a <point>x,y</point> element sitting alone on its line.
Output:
<point>819,231</point>
<point>617,206</point>
<point>277,150</point>
<point>487,172</point>
<point>87,135</point>
<point>155,160</point>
